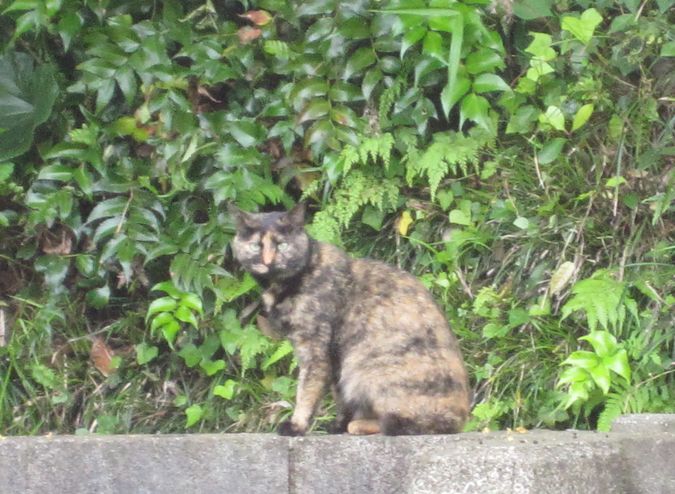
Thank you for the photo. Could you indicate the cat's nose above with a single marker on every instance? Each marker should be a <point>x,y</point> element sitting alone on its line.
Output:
<point>268,256</point>
<point>268,250</point>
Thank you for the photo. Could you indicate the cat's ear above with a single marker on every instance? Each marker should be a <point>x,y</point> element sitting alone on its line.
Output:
<point>242,219</point>
<point>296,216</point>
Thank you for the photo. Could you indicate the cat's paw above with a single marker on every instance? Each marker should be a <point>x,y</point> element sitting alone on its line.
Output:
<point>288,428</point>
<point>337,427</point>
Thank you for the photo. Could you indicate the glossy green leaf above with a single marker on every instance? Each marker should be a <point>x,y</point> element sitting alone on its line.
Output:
<point>583,359</point>
<point>27,95</point>
<point>370,80</point>
<point>485,83</point>
<point>184,314</point>
<point>603,342</point>
<point>192,301</point>
<point>532,9</point>
<point>600,374</point>
<point>483,60</point>
<point>618,363</point>
<point>551,150</point>
<point>98,297</point>
<point>412,37</point>
<point>433,46</point>
<point>450,97</point>
<point>476,108</point>
<point>361,59</point>
<point>163,304</point>
<point>581,116</point>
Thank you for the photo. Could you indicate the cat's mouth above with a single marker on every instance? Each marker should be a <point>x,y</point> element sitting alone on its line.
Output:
<point>260,269</point>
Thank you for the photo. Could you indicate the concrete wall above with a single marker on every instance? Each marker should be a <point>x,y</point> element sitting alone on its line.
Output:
<point>639,459</point>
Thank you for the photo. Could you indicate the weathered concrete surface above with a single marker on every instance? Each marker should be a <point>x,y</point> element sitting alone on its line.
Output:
<point>502,462</point>
<point>645,422</point>
<point>185,464</point>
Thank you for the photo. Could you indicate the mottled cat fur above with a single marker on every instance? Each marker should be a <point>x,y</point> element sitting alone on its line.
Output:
<point>369,330</point>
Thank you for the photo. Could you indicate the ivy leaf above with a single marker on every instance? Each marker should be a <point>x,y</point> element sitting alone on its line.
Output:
<point>145,353</point>
<point>582,28</point>
<point>451,95</point>
<point>553,117</point>
<point>212,366</point>
<point>540,47</point>
<point>459,217</point>
<point>226,390</point>
<point>476,108</point>
<point>193,415</point>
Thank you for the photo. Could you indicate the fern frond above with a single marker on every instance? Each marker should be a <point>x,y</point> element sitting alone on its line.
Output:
<point>615,405</point>
<point>371,149</point>
<point>449,152</point>
<point>601,298</point>
<point>390,96</point>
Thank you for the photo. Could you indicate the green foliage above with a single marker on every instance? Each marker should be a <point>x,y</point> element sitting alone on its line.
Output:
<point>27,95</point>
<point>518,165</point>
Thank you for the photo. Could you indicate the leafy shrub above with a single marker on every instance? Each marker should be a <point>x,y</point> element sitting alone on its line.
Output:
<point>518,163</point>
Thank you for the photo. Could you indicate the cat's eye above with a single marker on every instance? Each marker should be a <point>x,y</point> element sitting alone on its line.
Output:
<point>283,247</point>
<point>254,248</point>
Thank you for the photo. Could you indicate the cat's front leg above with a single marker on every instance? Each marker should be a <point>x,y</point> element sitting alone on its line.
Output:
<point>312,382</point>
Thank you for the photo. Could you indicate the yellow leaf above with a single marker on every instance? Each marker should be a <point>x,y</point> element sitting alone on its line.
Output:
<point>404,222</point>
<point>561,277</point>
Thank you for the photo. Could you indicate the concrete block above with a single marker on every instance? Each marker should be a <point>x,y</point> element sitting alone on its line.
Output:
<point>535,462</point>
<point>645,423</point>
<point>238,463</point>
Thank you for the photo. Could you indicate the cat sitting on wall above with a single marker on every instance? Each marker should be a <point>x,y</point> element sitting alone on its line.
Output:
<point>369,330</point>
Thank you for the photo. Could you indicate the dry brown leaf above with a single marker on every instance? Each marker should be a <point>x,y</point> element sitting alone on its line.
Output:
<point>247,34</point>
<point>101,354</point>
<point>257,17</point>
<point>59,241</point>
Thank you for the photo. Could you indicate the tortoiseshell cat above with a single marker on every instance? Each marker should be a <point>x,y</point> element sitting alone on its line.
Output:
<point>371,331</point>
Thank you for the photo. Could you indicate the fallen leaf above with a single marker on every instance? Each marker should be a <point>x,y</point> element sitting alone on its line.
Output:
<point>403,223</point>
<point>247,34</point>
<point>59,241</point>
<point>561,277</point>
<point>257,17</point>
<point>101,354</point>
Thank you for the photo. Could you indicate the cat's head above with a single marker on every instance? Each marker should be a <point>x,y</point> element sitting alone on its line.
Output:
<point>271,245</point>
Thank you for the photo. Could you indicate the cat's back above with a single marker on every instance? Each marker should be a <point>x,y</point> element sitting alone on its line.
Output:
<point>398,352</point>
